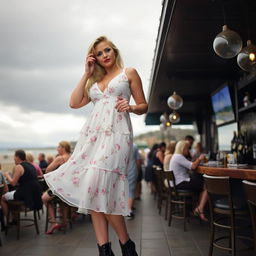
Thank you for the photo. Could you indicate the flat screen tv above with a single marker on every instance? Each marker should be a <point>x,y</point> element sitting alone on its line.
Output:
<point>222,106</point>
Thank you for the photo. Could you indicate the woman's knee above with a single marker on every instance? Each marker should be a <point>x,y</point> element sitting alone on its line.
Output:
<point>46,198</point>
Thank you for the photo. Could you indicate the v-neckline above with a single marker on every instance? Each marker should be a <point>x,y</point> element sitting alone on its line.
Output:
<point>108,82</point>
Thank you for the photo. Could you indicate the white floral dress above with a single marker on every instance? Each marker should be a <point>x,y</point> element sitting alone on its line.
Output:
<point>95,176</point>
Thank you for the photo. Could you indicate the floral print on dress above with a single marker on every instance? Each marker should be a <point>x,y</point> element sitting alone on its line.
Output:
<point>95,177</point>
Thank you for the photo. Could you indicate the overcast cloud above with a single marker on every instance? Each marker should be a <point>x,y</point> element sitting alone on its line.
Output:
<point>42,50</point>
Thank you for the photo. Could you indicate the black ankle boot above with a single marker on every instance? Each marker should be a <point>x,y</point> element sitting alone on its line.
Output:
<point>105,250</point>
<point>128,249</point>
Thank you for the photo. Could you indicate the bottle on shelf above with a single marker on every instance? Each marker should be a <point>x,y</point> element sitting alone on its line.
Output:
<point>240,148</point>
<point>234,143</point>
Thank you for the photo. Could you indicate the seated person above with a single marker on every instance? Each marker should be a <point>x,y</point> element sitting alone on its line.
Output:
<point>42,162</point>
<point>190,140</point>
<point>28,189</point>
<point>5,190</point>
<point>49,160</point>
<point>64,152</point>
<point>184,180</point>
<point>198,150</point>
<point>30,159</point>
<point>168,154</point>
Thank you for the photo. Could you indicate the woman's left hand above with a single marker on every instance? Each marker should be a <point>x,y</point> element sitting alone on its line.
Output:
<point>122,105</point>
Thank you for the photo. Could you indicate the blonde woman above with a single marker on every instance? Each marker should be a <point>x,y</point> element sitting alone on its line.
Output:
<point>64,151</point>
<point>168,154</point>
<point>30,159</point>
<point>95,177</point>
<point>180,167</point>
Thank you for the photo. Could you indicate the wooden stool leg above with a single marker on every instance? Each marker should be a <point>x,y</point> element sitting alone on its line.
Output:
<point>7,222</point>
<point>46,220</point>
<point>166,207</point>
<point>18,223</point>
<point>35,221</point>
<point>184,213</point>
<point>212,232</point>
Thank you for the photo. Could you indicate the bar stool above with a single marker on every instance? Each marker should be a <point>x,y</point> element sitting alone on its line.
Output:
<point>162,191</point>
<point>180,200</point>
<point>222,210</point>
<point>250,192</point>
<point>15,208</point>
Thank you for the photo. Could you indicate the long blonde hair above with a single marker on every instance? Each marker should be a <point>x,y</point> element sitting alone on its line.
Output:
<point>170,148</point>
<point>99,71</point>
<point>179,149</point>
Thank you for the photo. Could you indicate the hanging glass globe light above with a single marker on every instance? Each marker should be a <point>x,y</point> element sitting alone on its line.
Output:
<point>175,101</point>
<point>174,117</point>
<point>246,59</point>
<point>163,119</point>
<point>227,44</point>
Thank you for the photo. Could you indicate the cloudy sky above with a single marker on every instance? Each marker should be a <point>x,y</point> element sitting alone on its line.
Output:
<point>42,50</point>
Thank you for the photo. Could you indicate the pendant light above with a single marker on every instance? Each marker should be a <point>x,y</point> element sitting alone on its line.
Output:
<point>163,118</point>
<point>227,44</point>
<point>175,101</point>
<point>246,59</point>
<point>174,117</point>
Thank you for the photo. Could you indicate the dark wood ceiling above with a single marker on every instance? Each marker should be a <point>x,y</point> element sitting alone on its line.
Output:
<point>185,61</point>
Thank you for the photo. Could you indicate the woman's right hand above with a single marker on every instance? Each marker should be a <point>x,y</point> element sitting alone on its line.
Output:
<point>89,64</point>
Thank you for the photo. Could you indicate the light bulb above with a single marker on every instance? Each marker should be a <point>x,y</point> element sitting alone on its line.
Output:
<point>227,44</point>
<point>252,56</point>
<point>175,101</point>
<point>174,117</point>
<point>246,59</point>
<point>168,124</point>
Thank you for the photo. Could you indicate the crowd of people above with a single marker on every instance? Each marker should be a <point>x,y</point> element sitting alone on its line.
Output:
<point>23,183</point>
<point>182,159</point>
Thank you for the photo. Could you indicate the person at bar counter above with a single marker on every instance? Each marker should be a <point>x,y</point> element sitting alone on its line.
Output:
<point>158,157</point>
<point>198,150</point>
<point>168,154</point>
<point>180,166</point>
<point>149,175</point>
<point>28,189</point>
<point>190,140</point>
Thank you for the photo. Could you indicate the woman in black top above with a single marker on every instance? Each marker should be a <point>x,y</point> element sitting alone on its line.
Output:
<point>28,190</point>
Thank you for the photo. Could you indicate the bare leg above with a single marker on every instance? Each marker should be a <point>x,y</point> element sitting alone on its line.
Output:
<point>50,208</point>
<point>100,225</point>
<point>203,200</point>
<point>64,212</point>
<point>118,224</point>
<point>4,206</point>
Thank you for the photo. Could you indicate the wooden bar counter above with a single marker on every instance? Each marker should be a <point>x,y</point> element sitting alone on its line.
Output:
<point>244,173</point>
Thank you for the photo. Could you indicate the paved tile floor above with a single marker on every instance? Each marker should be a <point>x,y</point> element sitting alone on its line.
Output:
<point>149,230</point>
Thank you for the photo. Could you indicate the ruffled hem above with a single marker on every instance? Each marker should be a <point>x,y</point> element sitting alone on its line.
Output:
<point>94,189</point>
